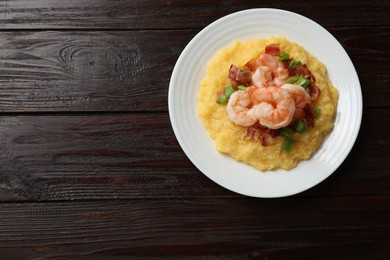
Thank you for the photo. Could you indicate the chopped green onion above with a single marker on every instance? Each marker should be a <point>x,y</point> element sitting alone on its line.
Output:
<point>242,87</point>
<point>222,99</point>
<point>301,126</point>
<point>229,90</point>
<point>284,56</point>
<point>299,80</point>
<point>286,132</point>
<point>295,63</point>
<point>317,112</point>
<point>288,144</point>
<point>303,82</point>
<point>292,80</point>
<point>306,83</point>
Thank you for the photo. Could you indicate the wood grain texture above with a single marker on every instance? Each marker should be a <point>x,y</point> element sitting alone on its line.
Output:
<point>140,14</point>
<point>94,157</point>
<point>80,157</point>
<point>233,228</point>
<point>369,50</point>
<point>87,71</point>
<point>90,167</point>
<point>130,71</point>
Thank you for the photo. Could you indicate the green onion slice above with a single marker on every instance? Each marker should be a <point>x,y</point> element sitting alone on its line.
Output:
<point>222,99</point>
<point>306,83</point>
<point>287,132</point>
<point>288,144</point>
<point>295,63</point>
<point>242,87</point>
<point>292,80</point>
<point>299,80</point>
<point>229,90</point>
<point>317,112</point>
<point>301,126</point>
<point>284,56</point>
<point>303,82</point>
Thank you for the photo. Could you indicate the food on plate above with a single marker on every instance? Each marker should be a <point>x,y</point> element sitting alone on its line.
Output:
<point>267,102</point>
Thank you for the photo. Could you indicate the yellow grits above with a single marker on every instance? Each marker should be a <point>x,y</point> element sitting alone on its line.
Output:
<point>230,138</point>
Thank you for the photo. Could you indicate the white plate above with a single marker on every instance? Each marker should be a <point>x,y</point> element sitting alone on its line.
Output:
<point>199,147</point>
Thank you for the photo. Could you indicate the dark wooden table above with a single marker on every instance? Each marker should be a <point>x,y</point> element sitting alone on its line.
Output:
<point>89,164</point>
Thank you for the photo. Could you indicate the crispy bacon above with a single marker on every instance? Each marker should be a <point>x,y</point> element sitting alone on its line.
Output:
<point>308,116</point>
<point>251,65</point>
<point>268,137</point>
<point>265,136</point>
<point>233,76</point>
<point>235,84</point>
<point>285,63</point>
<point>233,72</point>
<point>244,77</point>
<point>301,70</point>
<point>220,93</point>
<point>272,49</point>
<point>239,76</point>
<point>313,91</point>
<point>253,133</point>
<point>274,132</point>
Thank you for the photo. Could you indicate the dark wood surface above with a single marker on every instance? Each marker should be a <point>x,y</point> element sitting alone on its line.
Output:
<point>90,167</point>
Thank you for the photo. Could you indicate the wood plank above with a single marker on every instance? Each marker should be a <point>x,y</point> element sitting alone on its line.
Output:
<point>120,156</point>
<point>94,157</point>
<point>87,71</point>
<point>369,50</point>
<point>127,71</point>
<point>317,228</point>
<point>140,14</point>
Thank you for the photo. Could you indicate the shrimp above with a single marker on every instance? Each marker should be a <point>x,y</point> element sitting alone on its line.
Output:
<point>273,107</point>
<point>300,97</point>
<point>239,109</point>
<point>269,72</point>
<point>262,77</point>
<point>268,60</point>
<point>281,75</point>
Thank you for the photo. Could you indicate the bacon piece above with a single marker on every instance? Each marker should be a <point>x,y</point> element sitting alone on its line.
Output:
<point>235,84</point>
<point>313,91</point>
<point>251,65</point>
<point>308,116</point>
<point>268,137</point>
<point>265,136</point>
<point>233,75</point>
<point>220,93</point>
<point>233,72</point>
<point>301,70</point>
<point>272,49</point>
<point>238,75</point>
<point>253,133</point>
<point>284,64</point>
<point>274,132</point>
<point>244,76</point>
